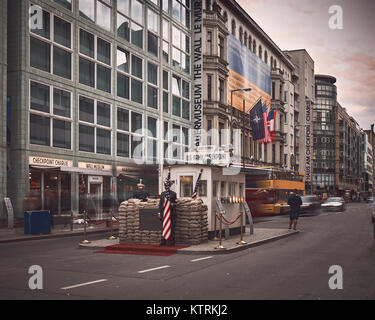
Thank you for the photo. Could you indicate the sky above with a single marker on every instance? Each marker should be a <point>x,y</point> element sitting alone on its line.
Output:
<point>347,54</point>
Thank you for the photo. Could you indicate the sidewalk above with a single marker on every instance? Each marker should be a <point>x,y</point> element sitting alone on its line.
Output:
<point>260,236</point>
<point>17,234</point>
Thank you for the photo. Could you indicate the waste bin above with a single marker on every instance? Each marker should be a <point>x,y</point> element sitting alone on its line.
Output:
<point>37,222</point>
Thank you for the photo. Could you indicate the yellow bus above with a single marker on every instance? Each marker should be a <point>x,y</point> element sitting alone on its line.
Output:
<point>267,189</point>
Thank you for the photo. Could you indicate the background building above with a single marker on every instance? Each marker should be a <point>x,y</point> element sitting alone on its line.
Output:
<point>324,134</point>
<point>304,99</point>
<point>93,88</point>
<point>367,188</point>
<point>371,139</point>
<point>3,107</point>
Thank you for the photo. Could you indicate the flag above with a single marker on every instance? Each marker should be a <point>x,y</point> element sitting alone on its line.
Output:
<point>271,118</point>
<point>195,193</point>
<point>257,122</point>
<point>167,210</point>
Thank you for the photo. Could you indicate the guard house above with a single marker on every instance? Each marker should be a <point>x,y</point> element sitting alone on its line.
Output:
<point>226,184</point>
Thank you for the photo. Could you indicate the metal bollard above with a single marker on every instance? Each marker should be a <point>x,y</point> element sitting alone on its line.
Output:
<point>241,242</point>
<point>220,246</point>
<point>111,215</point>
<point>85,241</point>
<point>215,226</point>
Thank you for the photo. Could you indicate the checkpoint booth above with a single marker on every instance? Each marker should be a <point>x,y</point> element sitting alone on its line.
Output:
<point>217,183</point>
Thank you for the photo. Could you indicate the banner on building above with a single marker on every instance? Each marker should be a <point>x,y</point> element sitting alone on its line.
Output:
<point>246,69</point>
<point>197,72</point>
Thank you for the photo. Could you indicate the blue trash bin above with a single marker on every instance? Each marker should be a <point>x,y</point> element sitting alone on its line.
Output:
<point>37,222</point>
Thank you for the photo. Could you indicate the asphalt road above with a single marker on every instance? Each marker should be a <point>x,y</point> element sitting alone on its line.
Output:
<point>292,268</point>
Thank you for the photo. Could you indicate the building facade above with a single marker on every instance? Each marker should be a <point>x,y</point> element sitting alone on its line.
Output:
<point>368,173</point>
<point>371,140</point>
<point>100,91</point>
<point>324,125</point>
<point>304,99</point>
<point>225,26</point>
<point>3,106</point>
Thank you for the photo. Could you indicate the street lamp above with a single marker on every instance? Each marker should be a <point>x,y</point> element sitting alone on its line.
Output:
<point>231,109</point>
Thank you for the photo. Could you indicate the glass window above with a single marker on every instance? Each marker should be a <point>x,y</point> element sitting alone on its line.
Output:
<point>153,21</point>
<point>87,9</point>
<point>86,43</point>
<point>61,134</point>
<point>186,109</point>
<point>176,57</point>
<point>137,147</point>
<point>176,85</point>
<point>165,51</point>
<point>86,72</point>
<point>151,125</point>
<point>137,11</point>
<point>153,44</point>
<point>86,109</point>
<point>185,89</point>
<point>165,29</point>
<point>176,10</point>
<point>165,102</point>
<point>104,51</point>
<point>61,103</point>
<point>103,141</point>
<point>136,93</point>
<point>123,6</point>
<point>165,80</point>
<point>176,106</point>
<point>39,130</point>
<point>62,63</point>
<point>136,121</point>
<point>65,3</point>
<point>103,13</point>
<point>103,76</point>
<point>39,97</point>
<point>62,32</point>
<point>151,149</point>
<point>152,75</point>
<point>122,60</point>
<point>103,114</point>
<point>137,35</point>
<point>40,54</point>
<point>86,138</point>
<point>185,136</point>
<point>165,5</point>
<point>123,119</point>
<point>137,66</point>
<point>123,145</point>
<point>122,86</point>
<point>45,31</point>
<point>123,29</point>
<point>152,97</point>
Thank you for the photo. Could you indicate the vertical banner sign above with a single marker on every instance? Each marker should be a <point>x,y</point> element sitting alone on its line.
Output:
<point>308,143</point>
<point>197,71</point>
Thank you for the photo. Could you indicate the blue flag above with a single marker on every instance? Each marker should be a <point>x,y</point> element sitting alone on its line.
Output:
<point>257,121</point>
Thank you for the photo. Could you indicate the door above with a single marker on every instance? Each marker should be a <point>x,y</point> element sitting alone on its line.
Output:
<point>96,199</point>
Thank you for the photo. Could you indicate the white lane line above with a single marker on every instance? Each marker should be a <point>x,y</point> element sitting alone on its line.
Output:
<point>153,269</point>
<point>200,259</point>
<point>83,284</point>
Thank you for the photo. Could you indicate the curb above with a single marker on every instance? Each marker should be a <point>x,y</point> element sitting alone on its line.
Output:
<point>239,248</point>
<point>51,236</point>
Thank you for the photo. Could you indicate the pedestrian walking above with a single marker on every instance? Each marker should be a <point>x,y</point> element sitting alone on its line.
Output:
<point>173,198</point>
<point>295,202</point>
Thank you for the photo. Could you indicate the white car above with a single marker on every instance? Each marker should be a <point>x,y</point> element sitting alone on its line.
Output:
<point>334,204</point>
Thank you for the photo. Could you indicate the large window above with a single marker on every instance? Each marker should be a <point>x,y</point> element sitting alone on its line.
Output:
<point>130,21</point>
<point>181,12</point>
<point>180,98</point>
<point>94,126</point>
<point>152,85</point>
<point>97,11</point>
<point>94,61</point>
<point>52,51</point>
<point>180,50</point>
<point>129,76</point>
<point>50,116</point>
<point>153,32</point>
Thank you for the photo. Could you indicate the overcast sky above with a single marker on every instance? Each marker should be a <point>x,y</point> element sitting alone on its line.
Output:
<point>347,54</point>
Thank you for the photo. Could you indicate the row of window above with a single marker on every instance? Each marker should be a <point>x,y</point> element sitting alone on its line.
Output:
<point>51,124</point>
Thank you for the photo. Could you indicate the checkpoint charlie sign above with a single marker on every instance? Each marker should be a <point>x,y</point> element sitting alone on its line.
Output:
<point>49,162</point>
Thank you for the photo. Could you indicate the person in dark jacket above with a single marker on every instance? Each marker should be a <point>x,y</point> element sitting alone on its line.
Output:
<point>295,202</point>
<point>173,196</point>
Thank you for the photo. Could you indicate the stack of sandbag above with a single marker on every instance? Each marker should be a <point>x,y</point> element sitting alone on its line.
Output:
<point>129,227</point>
<point>191,222</point>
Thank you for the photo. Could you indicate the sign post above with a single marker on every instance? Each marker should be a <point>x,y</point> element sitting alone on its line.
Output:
<point>9,207</point>
<point>249,216</point>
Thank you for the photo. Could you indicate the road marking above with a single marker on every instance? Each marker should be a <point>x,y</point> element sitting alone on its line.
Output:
<point>83,284</point>
<point>153,269</point>
<point>200,259</point>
